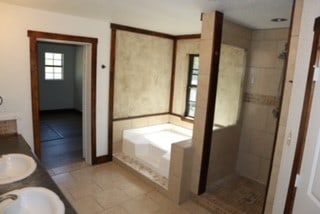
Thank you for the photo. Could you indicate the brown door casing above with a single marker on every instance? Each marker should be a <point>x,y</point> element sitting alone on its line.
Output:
<point>34,37</point>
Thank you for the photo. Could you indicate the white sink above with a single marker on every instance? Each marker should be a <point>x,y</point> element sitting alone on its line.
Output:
<point>32,200</point>
<point>14,167</point>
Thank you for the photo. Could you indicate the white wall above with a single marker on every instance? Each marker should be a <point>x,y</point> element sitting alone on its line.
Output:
<point>15,85</point>
<point>310,11</point>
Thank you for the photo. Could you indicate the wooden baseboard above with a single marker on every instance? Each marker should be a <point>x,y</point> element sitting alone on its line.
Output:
<point>103,159</point>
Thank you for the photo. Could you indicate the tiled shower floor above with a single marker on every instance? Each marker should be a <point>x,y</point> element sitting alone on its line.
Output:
<point>236,195</point>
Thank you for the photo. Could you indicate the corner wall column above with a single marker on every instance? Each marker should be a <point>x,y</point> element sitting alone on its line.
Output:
<point>210,45</point>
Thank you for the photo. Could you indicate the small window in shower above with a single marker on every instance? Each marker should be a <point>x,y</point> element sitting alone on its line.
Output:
<point>192,85</point>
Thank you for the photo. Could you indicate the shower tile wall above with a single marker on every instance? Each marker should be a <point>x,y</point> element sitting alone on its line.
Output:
<point>262,96</point>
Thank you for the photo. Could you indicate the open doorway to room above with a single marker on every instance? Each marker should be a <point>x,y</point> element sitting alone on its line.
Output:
<point>63,101</point>
<point>61,68</point>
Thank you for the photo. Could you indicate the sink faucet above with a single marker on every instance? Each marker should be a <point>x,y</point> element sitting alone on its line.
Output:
<point>9,196</point>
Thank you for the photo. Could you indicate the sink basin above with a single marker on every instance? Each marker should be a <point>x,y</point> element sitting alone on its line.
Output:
<point>32,200</point>
<point>14,167</point>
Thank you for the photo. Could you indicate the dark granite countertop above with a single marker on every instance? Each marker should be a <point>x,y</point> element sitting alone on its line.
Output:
<point>39,178</point>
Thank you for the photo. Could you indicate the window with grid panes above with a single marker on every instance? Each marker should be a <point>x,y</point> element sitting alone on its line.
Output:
<point>53,66</point>
<point>192,85</point>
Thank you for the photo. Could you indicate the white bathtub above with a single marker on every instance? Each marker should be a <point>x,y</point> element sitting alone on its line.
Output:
<point>152,144</point>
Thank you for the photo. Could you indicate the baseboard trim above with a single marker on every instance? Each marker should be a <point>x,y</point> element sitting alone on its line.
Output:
<point>103,159</point>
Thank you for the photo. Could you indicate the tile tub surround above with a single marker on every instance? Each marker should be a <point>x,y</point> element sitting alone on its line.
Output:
<point>40,177</point>
<point>8,127</point>
<point>111,189</point>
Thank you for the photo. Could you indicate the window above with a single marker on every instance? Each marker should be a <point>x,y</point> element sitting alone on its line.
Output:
<point>192,85</point>
<point>53,66</point>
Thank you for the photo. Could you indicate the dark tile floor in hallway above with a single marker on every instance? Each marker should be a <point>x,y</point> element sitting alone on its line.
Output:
<point>61,137</point>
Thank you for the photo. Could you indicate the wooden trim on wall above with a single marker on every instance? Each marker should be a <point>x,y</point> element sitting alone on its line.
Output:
<point>188,36</point>
<point>93,99</point>
<point>141,31</point>
<point>35,94</point>
<point>173,74</point>
<point>63,37</point>
<point>211,101</point>
<point>34,37</point>
<point>104,158</point>
<point>111,89</point>
<point>140,116</point>
<point>304,122</point>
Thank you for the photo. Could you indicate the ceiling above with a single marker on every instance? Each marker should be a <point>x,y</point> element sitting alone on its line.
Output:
<point>170,16</point>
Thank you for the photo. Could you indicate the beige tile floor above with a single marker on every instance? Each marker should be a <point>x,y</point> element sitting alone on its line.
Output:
<point>108,188</point>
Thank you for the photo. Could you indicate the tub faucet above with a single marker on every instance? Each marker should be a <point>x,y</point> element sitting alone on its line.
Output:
<point>9,196</point>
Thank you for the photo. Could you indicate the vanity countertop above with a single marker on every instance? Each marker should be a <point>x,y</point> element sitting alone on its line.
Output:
<point>39,178</point>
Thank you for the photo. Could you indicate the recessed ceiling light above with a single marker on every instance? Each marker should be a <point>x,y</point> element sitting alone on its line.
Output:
<point>279,20</point>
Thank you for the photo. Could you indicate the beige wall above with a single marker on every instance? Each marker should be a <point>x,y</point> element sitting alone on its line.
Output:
<point>230,85</point>
<point>142,74</point>
<point>262,96</point>
<point>184,48</point>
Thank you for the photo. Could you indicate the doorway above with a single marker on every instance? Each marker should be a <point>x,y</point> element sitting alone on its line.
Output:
<point>88,125</point>
<point>61,68</point>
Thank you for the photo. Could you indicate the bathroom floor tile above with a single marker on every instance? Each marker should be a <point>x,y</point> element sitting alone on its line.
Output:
<point>142,205</point>
<point>80,191</point>
<point>111,197</point>
<point>109,188</point>
<point>87,205</point>
<point>193,207</point>
<point>115,210</point>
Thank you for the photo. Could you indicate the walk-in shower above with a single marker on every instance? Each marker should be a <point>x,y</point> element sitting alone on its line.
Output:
<point>240,158</point>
